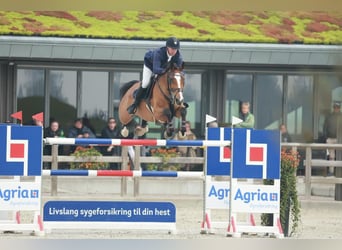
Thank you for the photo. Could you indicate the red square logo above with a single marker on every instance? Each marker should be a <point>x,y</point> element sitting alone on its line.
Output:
<point>17,150</point>
<point>256,154</point>
<point>226,153</point>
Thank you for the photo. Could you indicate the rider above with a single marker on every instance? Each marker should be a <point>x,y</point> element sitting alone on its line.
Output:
<point>156,62</point>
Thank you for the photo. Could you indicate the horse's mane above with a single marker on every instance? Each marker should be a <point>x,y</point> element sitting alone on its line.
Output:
<point>124,88</point>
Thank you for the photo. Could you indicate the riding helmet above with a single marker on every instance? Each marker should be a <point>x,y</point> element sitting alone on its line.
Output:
<point>172,42</point>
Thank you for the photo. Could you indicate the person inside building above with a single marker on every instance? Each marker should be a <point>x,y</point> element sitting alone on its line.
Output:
<point>330,131</point>
<point>54,130</point>
<point>79,130</point>
<point>246,116</point>
<point>155,63</point>
<point>111,131</point>
<point>285,136</point>
<point>37,122</point>
<point>187,151</point>
<point>86,122</point>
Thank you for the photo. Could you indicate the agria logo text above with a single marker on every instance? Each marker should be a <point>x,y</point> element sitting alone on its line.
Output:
<point>19,193</point>
<point>245,196</point>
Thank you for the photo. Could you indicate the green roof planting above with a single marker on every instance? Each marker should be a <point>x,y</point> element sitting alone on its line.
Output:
<point>289,27</point>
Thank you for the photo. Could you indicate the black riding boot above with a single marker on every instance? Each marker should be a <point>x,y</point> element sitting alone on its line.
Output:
<point>139,96</point>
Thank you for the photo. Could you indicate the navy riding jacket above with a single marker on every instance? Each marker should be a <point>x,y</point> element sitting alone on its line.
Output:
<point>156,60</point>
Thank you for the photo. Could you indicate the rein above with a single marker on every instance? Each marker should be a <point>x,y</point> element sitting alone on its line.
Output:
<point>168,97</point>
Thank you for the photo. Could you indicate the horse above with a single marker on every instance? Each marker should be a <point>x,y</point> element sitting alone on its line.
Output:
<point>164,102</point>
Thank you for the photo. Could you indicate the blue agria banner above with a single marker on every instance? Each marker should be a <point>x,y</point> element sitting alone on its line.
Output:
<point>110,211</point>
<point>21,150</point>
<point>256,153</point>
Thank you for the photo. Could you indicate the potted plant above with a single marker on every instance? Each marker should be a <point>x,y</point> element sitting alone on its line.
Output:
<point>90,153</point>
<point>289,203</point>
<point>165,154</point>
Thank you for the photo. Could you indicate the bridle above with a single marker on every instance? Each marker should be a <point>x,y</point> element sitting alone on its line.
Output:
<point>171,96</point>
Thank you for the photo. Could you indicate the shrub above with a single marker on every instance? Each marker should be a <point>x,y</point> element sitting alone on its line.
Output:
<point>165,154</point>
<point>89,153</point>
<point>289,203</point>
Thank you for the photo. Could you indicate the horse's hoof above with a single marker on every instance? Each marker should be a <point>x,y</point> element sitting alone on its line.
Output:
<point>140,131</point>
<point>181,135</point>
<point>124,132</point>
<point>167,135</point>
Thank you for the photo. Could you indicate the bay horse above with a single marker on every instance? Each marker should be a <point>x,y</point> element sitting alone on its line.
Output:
<point>164,102</point>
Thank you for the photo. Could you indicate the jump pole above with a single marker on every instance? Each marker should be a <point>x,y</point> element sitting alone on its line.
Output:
<point>135,142</point>
<point>123,173</point>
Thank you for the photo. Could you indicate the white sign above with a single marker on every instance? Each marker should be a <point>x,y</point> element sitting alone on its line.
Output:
<point>256,198</point>
<point>246,198</point>
<point>217,195</point>
<point>16,195</point>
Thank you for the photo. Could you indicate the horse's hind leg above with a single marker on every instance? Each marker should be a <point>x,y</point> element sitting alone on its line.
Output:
<point>143,129</point>
<point>169,130</point>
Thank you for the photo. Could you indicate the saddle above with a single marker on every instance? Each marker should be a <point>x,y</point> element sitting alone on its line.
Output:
<point>148,92</point>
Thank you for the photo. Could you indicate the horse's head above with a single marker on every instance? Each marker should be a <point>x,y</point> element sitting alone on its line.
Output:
<point>175,79</point>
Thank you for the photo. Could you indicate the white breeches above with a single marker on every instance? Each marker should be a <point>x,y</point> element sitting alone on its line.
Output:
<point>147,73</point>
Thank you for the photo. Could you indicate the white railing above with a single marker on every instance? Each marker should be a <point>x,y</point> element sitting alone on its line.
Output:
<point>310,163</point>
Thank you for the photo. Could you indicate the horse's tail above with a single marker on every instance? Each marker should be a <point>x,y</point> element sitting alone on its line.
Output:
<point>126,87</point>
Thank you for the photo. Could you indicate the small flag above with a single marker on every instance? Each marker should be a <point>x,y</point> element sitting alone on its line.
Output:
<point>38,117</point>
<point>209,118</point>
<point>236,120</point>
<point>18,115</point>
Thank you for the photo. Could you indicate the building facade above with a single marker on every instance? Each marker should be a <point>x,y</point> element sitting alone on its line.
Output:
<point>68,78</point>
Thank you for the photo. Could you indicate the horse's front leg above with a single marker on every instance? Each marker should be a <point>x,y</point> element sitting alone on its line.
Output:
<point>124,131</point>
<point>181,132</point>
<point>168,126</point>
<point>142,129</point>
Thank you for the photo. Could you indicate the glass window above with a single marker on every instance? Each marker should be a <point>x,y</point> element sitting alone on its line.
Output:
<point>192,96</point>
<point>239,88</point>
<point>299,107</point>
<point>30,92</point>
<point>63,89</point>
<point>329,90</point>
<point>268,101</point>
<point>94,99</point>
<point>120,78</point>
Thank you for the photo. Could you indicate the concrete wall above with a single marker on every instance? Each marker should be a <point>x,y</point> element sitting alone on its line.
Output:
<point>110,187</point>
